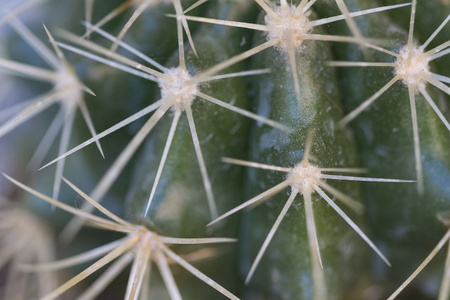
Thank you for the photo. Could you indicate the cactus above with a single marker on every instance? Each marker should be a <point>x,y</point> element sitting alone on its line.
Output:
<point>326,121</point>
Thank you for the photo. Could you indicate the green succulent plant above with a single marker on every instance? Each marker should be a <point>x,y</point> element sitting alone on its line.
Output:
<point>266,149</point>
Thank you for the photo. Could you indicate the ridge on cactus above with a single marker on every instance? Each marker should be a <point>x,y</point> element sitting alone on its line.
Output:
<point>411,67</point>
<point>304,179</point>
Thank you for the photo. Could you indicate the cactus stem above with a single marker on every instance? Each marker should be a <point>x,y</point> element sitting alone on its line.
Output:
<point>412,67</point>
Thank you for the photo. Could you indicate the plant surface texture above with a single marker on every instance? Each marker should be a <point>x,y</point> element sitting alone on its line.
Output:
<point>225,149</point>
